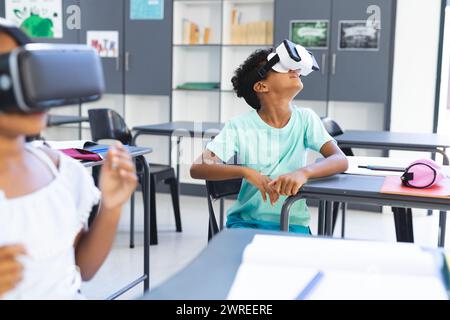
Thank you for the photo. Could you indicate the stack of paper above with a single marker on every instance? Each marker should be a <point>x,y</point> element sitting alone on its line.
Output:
<point>281,267</point>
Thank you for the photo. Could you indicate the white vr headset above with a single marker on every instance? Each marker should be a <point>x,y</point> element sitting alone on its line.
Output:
<point>36,77</point>
<point>289,56</point>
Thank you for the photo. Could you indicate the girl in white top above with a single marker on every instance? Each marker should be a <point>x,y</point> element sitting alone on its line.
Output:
<point>45,201</point>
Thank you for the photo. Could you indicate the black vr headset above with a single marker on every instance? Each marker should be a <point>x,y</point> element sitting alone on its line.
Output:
<point>35,77</point>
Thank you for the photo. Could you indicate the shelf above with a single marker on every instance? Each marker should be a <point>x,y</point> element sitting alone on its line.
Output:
<point>198,2</point>
<point>212,45</point>
<point>244,2</point>
<point>199,90</point>
<point>248,45</point>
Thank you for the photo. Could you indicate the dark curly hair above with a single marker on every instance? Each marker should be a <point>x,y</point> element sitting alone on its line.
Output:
<point>244,77</point>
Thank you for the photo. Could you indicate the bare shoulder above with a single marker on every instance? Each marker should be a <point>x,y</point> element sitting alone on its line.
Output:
<point>52,154</point>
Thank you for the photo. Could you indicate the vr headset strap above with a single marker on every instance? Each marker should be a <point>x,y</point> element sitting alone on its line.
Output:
<point>262,72</point>
<point>17,34</point>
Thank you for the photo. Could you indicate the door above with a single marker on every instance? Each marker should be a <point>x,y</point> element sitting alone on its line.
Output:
<point>302,15</point>
<point>361,63</point>
<point>148,53</point>
<point>106,16</point>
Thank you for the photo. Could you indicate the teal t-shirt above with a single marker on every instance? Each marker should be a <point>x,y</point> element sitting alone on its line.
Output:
<point>273,152</point>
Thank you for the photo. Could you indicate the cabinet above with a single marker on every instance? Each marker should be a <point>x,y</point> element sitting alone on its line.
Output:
<point>143,64</point>
<point>148,58</point>
<point>360,75</point>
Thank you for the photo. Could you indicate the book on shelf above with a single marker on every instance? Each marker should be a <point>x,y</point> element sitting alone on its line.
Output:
<point>192,33</point>
<point>256,32</point>
<point>315,268</point>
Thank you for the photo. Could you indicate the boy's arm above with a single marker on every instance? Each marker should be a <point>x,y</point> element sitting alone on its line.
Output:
<point>210,167</point>
<point>334,162</point>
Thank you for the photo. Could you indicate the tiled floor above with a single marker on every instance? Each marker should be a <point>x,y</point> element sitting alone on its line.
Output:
<point>176,250</point>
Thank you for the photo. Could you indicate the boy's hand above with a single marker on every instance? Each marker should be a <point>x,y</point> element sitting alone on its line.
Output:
<point>262,183</point>
<point>118,178</point>
<point>10,268</point>
<point>289,184</point>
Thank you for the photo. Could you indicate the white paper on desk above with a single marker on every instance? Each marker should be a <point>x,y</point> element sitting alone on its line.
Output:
<point>279,267</point>
<point>76,144</point>
<point>375,286</point>
<point>268,282</point>
<point>341,255</point>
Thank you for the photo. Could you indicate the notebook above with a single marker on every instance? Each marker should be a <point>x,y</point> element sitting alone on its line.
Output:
<point>78,149</point>
<point>281,267</point>
<point>393,185</point>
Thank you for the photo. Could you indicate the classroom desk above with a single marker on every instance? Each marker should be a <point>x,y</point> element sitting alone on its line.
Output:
<point>58,120</point>
<point>210,275</point>
<point>365,190</point>
<point>137,153</point>
<point>179,129</point>
<point>386,140</point>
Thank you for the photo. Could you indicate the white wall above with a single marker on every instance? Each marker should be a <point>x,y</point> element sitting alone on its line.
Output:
<point>415,65</point>
<point>444,105</point>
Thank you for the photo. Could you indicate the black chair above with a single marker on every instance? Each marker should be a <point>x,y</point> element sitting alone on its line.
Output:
<point>108,124</point>
<point>218,190</point>
<point>334,130</point>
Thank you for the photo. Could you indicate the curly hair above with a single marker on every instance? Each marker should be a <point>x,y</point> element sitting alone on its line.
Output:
<point>244,77</point>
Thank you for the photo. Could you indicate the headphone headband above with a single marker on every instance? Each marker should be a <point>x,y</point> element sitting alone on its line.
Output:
<point>16,33</point>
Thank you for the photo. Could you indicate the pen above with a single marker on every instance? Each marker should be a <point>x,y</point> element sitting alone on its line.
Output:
<point>310,286</point>
<point>381,168</point>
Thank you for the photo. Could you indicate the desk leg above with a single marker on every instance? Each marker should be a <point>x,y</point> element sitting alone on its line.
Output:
<point>329,218</point>
<point>442,222</point>
<point>344,209</point>
<point>221,218</point>
<point>145,194</point>
<point>443,214</point>
<point>320,226</point>
<point>178,162</point>
<point>403,224</point>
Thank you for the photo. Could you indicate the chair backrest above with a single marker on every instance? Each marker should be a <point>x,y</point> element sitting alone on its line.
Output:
<point>223,188</point>
<point>108,124</point>
<point>217,190</point>
<point>334,130</point>
<point>332,127</point>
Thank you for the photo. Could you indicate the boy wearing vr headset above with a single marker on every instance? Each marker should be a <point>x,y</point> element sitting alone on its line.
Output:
<point>271,141</point>
<point>46,199</point>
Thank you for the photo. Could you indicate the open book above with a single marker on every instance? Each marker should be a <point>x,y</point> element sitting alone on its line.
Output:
<point>283,267</point>
<point>75,144</point>
<point>78,149</point>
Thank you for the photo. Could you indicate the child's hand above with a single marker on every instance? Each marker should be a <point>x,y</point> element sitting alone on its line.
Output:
<point>10,268</point>
<point>289,184</point>
<point>118,178</point>
<point>262,183</point>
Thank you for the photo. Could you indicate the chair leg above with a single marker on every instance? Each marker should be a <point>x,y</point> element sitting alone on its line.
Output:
<point>132,221</point>
<point>335,213</point>
<point>403,224</point>
<point>153,227</point>
<point>175,202</point>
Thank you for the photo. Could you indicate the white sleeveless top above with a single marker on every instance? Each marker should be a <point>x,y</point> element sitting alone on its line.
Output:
<point>47,222</point>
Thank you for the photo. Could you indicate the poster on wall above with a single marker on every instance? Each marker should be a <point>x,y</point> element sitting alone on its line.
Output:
<point>147,9</point>
<point>38,18</point>
<point>106,43</point>
<point>358,35</point>
<point>312,34</point>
